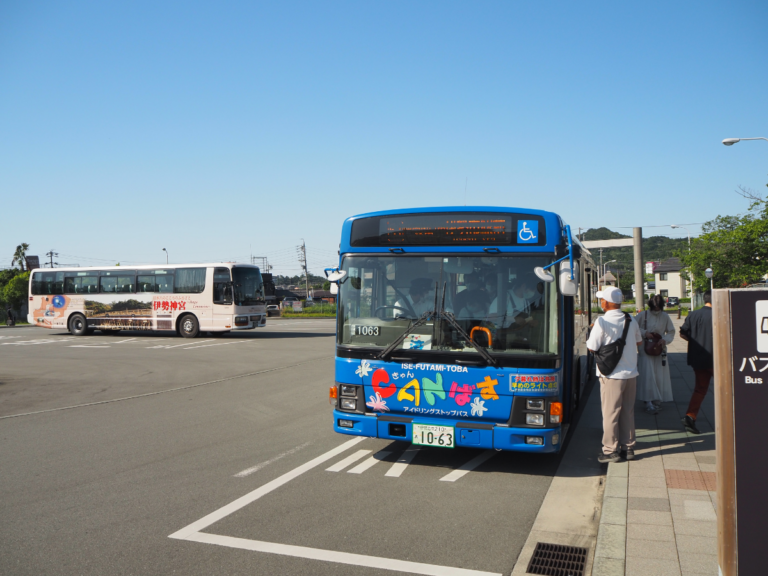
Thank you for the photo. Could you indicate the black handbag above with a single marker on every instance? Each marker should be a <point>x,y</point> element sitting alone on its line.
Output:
<point>608,356</point>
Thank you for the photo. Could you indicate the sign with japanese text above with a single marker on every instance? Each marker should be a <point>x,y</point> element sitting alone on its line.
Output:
<point>749,346</point>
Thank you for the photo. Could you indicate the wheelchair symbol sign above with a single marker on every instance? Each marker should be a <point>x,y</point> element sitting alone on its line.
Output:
<point>527,231</point>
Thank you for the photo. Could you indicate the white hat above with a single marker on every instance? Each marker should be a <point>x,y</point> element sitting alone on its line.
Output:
<point>610,294</point>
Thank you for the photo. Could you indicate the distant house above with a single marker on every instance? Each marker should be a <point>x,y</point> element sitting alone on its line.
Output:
<point>668,279</point>
<point>324,295</point>
<point>608,280</point>
<point>281,294</point>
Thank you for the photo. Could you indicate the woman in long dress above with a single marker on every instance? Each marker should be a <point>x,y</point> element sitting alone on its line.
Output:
<point>654,384</point>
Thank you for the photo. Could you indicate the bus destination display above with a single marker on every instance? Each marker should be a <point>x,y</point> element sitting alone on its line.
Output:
<point>446,229</point>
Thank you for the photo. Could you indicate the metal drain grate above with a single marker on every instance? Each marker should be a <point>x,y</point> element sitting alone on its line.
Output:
<point>557,560</point>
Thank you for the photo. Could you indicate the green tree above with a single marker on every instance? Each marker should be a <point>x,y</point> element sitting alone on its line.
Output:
<point>20,255</point>
<point>6,276</point>
<point>735,246</point>
<point>15,291</point>
<point>326,285</point>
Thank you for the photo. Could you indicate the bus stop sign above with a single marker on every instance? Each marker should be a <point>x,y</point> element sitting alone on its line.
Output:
<point>749,367</point>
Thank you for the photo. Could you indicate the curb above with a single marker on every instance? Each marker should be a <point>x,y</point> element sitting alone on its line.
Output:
<point>611,549</point>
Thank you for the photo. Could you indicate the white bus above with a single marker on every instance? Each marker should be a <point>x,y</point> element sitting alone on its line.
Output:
<point>185,298</point>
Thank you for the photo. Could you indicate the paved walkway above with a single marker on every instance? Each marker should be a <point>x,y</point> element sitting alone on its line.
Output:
<point>659,511</point>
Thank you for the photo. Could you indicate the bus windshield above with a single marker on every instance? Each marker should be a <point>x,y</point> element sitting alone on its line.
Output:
<point>249,287</point>
<point>496,299</point>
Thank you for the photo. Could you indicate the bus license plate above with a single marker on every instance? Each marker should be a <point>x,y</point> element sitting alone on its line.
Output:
<point>428,435</point>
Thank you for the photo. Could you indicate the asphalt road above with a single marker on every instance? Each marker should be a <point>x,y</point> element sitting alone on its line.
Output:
<point>109,445</point>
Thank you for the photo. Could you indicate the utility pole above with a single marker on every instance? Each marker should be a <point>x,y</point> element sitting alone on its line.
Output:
<point>51,254</point>
<point>302,250</point>
<point>639,270</point>
<point>264,266</point>
<point>600,279</point>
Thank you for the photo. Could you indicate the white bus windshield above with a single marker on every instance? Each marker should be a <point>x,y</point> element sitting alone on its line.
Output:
<point>497,300</point>
<point>249,287</point>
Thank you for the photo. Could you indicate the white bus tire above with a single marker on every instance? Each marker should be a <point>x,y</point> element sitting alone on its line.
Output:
<point>189,327</point>
<point>78,325</point>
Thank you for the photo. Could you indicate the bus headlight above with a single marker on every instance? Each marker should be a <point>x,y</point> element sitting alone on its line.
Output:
<point>534,419</point>
<point>536,440</point>
<point>241,320</point>
<point>348,390</point>
<point>348,403</point>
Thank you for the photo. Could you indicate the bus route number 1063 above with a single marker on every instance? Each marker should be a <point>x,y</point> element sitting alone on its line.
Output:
<point>361,330</point>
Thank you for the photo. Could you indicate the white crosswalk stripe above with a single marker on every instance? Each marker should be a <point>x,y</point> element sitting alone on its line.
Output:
<point>402,463</point>
<point>339,466</point>
<point>468,466</point>
<point>366,464</point>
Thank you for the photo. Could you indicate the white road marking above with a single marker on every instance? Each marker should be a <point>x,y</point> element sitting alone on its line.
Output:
<point>34,342</point>
<point>178,345</point>
<point>124,341</point>
<point>243,501</point>
<point>339,466</point>
<point>468,466</point>
<point>3,337</point>
<point>87,346</point>
<point>252,469</point>
<point>363,466</point>
<point>402,463</point>
<point>333,556</point>
<point>219,344</point>
<point>192,532</point>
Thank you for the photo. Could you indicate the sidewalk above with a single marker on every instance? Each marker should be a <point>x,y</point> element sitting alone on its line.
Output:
<point>659,511</point>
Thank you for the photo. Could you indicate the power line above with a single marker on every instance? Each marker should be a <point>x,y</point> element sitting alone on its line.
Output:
<point>662,225</point>
<point>51,254</point>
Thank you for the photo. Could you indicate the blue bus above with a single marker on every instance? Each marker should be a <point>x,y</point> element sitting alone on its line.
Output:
<point>461,326</point>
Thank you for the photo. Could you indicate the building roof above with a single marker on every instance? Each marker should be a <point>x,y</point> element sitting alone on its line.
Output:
<point>669,265</point>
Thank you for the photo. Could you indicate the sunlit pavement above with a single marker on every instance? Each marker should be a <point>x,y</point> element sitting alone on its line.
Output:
<point>145,454</point>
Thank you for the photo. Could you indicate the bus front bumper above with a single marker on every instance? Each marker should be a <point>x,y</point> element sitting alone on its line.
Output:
<point>467,436</point>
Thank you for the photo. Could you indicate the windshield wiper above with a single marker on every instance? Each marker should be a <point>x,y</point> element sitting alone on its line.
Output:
<point>437,315</point>
<point>443,314</point>
<point>420,321</point>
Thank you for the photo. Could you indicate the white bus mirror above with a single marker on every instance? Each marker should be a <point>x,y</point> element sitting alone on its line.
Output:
<point>336,275</point>
<point>543,274</point>
<point>334,288</point>
<point>568,287</point>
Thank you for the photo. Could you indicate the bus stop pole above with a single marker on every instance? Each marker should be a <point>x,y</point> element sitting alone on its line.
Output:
<point>727,558</point>
<point>639,270</point>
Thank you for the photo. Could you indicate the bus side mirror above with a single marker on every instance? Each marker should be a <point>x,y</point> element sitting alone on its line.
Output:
<point>335,277</point>
<point>568,287</point>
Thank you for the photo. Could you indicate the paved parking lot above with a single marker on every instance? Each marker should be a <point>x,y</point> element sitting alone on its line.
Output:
<point>149,454</point>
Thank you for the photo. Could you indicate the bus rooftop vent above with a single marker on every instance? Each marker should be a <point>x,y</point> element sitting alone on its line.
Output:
<point>557,560</point>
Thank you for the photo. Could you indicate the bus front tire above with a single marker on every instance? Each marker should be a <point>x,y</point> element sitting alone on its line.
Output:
<point>78,326</point>
<point>189,327</point>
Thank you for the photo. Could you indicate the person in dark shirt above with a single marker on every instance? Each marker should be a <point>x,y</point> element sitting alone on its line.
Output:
<point>697,330</point>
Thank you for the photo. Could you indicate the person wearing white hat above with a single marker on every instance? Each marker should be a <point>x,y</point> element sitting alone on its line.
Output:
<point>618,388</point>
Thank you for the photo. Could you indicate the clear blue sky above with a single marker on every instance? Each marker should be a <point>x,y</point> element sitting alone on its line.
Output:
<point>208,128</point>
